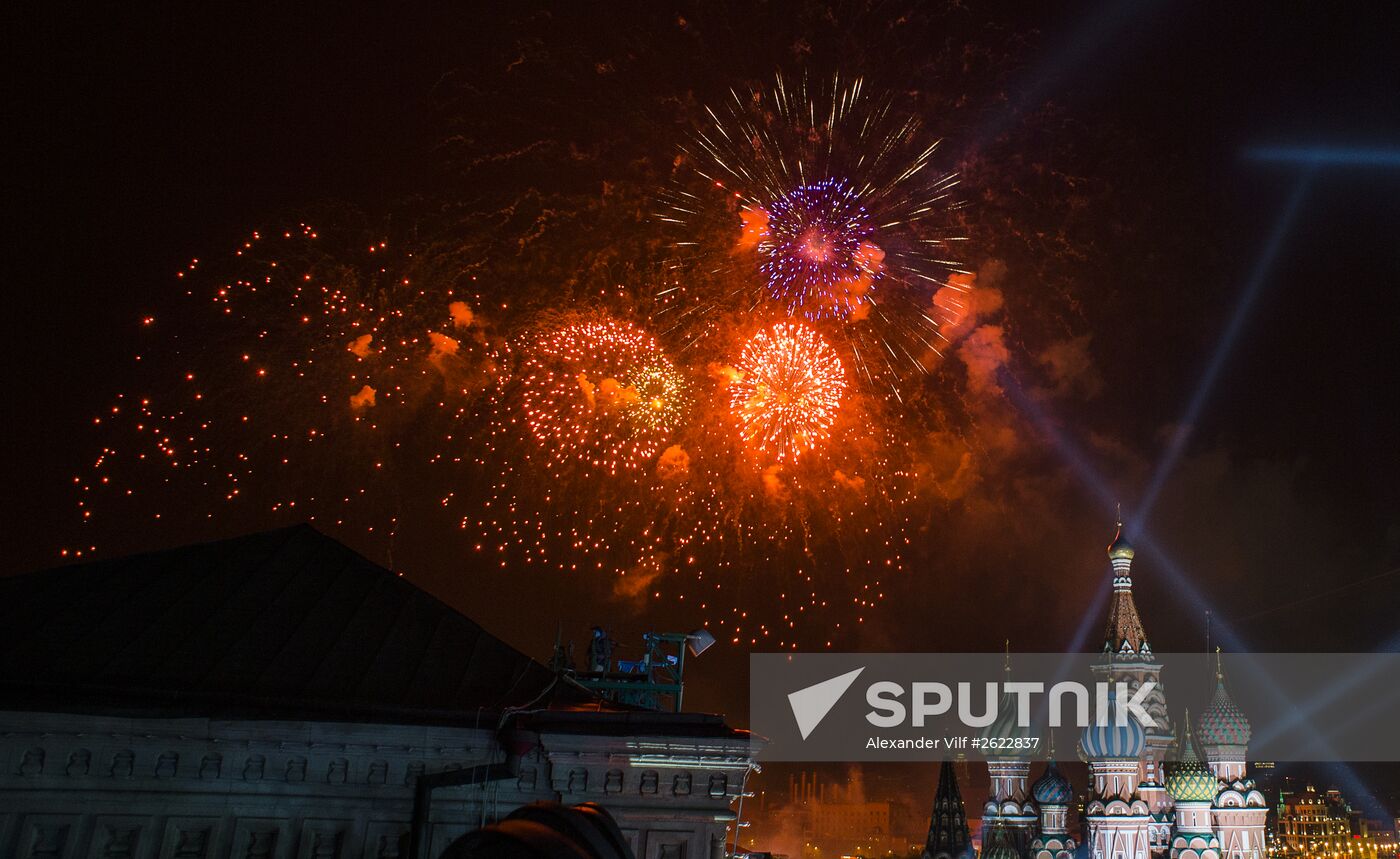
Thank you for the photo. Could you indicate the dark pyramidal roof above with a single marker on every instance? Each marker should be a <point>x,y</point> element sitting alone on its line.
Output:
<point>280,624</point>
<point>947,831</point>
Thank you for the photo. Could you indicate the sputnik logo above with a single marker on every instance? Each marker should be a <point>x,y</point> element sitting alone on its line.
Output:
<point>811,704</point>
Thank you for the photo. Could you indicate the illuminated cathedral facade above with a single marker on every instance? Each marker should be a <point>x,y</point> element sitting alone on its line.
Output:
<point>1137,805</point>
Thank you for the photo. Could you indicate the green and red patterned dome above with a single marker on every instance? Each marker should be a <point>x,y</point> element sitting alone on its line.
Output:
<point>1223,723</point>
<point>1190,780</point>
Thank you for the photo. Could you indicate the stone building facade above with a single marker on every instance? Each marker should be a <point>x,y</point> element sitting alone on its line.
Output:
<point>206,755</point>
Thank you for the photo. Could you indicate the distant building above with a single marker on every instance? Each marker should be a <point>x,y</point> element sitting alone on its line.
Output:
<point>821,819</point>
<point>1325,826</point>
<point>279,696</point>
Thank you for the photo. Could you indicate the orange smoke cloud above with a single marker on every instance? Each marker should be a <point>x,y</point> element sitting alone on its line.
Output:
<point>633,585</point>
<point>362,400</point>
<point>725,373</point>
<point>753,230</point>
<point>674,464</point>
<point>611,392</point>
<point>850,293</point>
<point>952,466</point>
<point>1070,368</point>
<point>962,304</point>
<point>443,347</point>
<point>462,316</point>
<point>855,484</point>
<point>588,389</point>
<point>608,393</point>
<point>773,485</point>
<point>359,347</point>
<point>869,257</point>
<point>984,352</point>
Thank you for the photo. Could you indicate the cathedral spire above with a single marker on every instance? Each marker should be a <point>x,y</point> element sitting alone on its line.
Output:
<point>1123,634</point>
<point>947,831</point>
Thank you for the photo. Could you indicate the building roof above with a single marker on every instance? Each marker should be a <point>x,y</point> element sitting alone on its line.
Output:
<point>1191,780</point>
<point>1120,548</point>
<point>1112,740</point>
<point>1223,724</point>
<point>1052,788</point>
<point>948,836</point>
<point>280,624</point>
<point>1123,635</point>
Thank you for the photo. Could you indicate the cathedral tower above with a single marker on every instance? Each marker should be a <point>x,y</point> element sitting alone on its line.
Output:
<point>1118,818</point>
<point>1009,769</point>
<point>1052,792</point>
<point>1239,811</point>
<point>948,837</point>
<point>1192,787</point>
<point>1127,657</point>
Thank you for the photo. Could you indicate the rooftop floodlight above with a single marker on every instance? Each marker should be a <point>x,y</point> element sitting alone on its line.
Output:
<point>699,641</point>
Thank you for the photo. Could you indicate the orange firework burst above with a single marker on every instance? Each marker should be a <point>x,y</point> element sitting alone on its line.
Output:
<point>602,392</point>
<point>788,391</point>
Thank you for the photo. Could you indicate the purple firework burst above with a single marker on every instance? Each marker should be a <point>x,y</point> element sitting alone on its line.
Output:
<point>816,252</point>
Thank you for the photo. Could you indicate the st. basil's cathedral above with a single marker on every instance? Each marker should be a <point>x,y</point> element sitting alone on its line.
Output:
<point>1138,805</point>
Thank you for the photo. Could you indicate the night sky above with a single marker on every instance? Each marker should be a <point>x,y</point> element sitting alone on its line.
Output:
<point>1110,201</point>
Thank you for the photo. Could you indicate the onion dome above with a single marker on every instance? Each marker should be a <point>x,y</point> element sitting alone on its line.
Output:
<point>998,844</point>
<point>1006,727</point>
<point>1052,788</point>
<point>1190,780</point>
<point>1223,723</point>
<point>1113,740</point>
<point>1120,548</point>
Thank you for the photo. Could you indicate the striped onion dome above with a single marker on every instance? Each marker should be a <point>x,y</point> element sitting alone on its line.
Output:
<point>1052,788</point>
<point>1006,727</point>
<point>1113,740</point>
<point>1190,780</point>
<point>1223,723</point>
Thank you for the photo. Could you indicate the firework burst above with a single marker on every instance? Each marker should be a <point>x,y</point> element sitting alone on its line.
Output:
<point>600,391</point>
<point>815,251</point>
<point>831,196</point>
<point>788,389</point>
<point>332,376</point>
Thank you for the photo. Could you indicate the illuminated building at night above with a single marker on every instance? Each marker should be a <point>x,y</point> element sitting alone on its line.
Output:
<point>1138,806</point>
<point>278,695</point>
<point>1325,826</point>
<point>836,819</point>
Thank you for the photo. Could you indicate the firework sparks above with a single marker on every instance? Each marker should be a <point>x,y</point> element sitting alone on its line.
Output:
<point>303,370</point>
<point>788,391</point>
<point>601,392</point>
<point>815,250</point>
